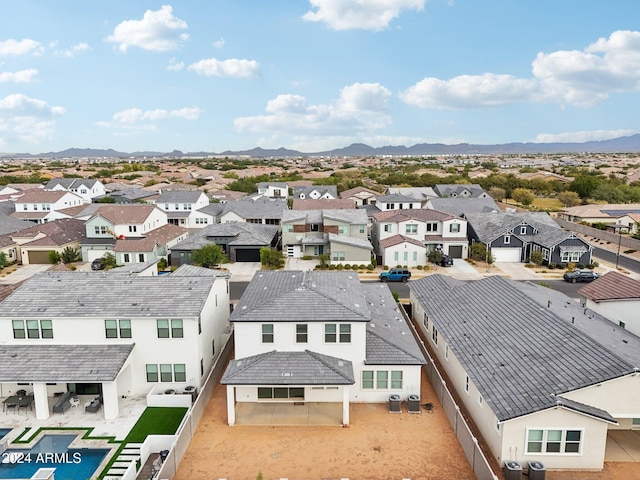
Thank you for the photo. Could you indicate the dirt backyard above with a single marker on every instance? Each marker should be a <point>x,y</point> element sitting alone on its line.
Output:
<point>377,445</point>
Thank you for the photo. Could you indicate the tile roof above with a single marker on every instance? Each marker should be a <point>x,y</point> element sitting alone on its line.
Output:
<point>321,189</point>
<point>289,368</point>
<point>522,343</point>
<point>320,203</point>
<point>42,196</point>
<point>459,206</point>
<point>179,196</point>
<point>62,363</point>
<point>91,294</point>
<point>450,189</point>
<point>399,239</point>
<point>418,193</point>
<point>68,183</point>
<point>351,241</point>
<point>603,210</point>
<point>125,214</point>
<point>347,215</point>
<point>56,233</point>
<point>396,198</point>
<point>258,208</point>
<point>355,191</point>
<point>195,271</point>
<point>420,214</point>
<point>611,286</point>
<point>243,233</point>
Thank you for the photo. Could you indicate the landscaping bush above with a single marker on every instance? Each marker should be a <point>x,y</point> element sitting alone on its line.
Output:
<point>340,266</point>
<point>386,267</point>
<point>371,267</point>
<point>419,267</point>
<point>332,267</point>
<point>347,266</point>
<point>307,257</point>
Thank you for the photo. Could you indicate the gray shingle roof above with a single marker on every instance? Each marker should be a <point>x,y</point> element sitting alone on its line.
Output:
<point>289,368</point>
<point>351,241</point>
<point>68,183</point>
<point>255,209</point>
<point>62,363</point>
<point>321,189</point>
<point>345,215</point>
<point>90,294</point>
<point>244,233</point>
<point>459,206</point>
<point>449,189</point>
<point>179,196</point>
<point>396,198</point>
<point>521,343</point>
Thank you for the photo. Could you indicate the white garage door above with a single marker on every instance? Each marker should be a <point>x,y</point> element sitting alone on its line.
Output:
<point>93,254</point>
<point>506,254</point>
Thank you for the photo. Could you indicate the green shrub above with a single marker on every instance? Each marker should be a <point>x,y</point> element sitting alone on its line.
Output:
<point>307,257</point>
<point>371,267</point>
<point>340,266</point>
<point>347,266</point>
<point>419,267</point>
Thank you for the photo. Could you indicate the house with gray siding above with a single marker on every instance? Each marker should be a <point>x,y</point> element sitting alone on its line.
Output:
<point>513,236</point>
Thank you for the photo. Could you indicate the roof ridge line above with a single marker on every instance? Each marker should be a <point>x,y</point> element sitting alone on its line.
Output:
<point>330,367</point>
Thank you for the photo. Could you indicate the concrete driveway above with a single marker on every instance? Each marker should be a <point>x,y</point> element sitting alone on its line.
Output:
<point>516,271</point>
<point>242,271</point>
<point>23,273</point>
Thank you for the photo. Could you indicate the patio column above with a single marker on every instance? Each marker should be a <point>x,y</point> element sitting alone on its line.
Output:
<point>345,405</point>
<point>41,400</point>
<point>110,400</point>
<point>231,405</point>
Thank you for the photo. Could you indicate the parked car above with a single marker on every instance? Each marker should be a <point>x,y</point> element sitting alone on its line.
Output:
<point>97,264</point>
<point>580,276</point>
<point>446,261</point>
<point>395,275</point>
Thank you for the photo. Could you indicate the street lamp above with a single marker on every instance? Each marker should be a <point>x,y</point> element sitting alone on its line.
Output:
<point>619,242</point>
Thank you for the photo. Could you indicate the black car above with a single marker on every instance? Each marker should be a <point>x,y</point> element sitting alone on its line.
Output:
<point>446,261</point>
<point>97,264</point>
<point>580,276</point>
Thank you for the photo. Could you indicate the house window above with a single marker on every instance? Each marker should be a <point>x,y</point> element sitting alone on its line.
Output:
<point>267,333</point>
<point>434,334</point>
<point>367,379</point>
<point>111,328</point>
<point>635,422</point>
<point>165,372</point>
<point>179,372</point>
<point>163,328</point>
<point>314,227</point>
<point>46,207</point>
<point>382,379</point>
<point>425,320</point>
<point>187,206</point>
<point>345,333</point>
<point>466,384</point>
<point>344,229</point>
<point>446,352</point>
<point>405,256</point>
<point>176,328</point>
<point>301,333</point>
<point>166,206</point>
<point>395,256</point>
<point>480,400</point>
<point>454,227</point>
<point>391,206</point>
<point>507,239</point>
<point>125,328</point>
<point>176,206</point>
<point>622,324</point>
<point>554,441</point>
<point>545,254</point>
<point>431,227</point>
<point>387,227</point>
<point>330,333</point>
<point>396,379</point>
<point>523,230</point>
<point>25,207</point>
<point>18,329</point>
<point>287,228</point>
<point>141,257</point>
<point>362,228</point>
<point>568,256</point>
<point>411,229</point>
<point>33,330</point>
<point>133,228</point>
<point>338,256</point>
<point>415,256</point>
<point>280,393</point>
<point>152,372</point>
<point>126,258</point>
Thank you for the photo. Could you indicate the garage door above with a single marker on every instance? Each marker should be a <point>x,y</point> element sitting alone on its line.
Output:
<point>36,256</point>
<point>506,254</point>
<point>248,255</point>
<point>94,254</point>
<point>455,251</point>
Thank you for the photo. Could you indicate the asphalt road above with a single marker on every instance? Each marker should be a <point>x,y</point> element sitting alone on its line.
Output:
<point>608,256</point>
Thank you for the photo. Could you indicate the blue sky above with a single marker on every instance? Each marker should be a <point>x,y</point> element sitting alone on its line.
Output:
<point>313,75</point>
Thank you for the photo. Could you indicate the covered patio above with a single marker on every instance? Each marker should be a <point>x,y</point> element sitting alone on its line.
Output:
<point>50,375</point>
<point>282,414</point>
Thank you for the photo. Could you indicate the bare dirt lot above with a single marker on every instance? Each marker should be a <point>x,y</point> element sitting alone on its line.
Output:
<point>377,445</point>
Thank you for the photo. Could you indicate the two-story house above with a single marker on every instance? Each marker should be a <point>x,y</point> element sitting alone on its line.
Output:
<point>40,206</point>
<point>111,223</point>
<point>360,196</point>
<point>181,207</point>
<point>35,243</point>
<point>405,237</point>
<point>464,190</point>
<point>250,210</point>
<point>542,377</point>
<point>512,237</point>
<point>110,334</point>
<point>316,192</point>
<point>87,188</point>
<point>273,189</point>
<point>319,337</point>
<point>340,233</point>
<point>396,201</point>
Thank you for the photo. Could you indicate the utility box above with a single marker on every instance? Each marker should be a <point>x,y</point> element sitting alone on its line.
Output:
<point>537,471</point>
<point>413,403</point>
<point>512,470</point>
<point>395,404</point>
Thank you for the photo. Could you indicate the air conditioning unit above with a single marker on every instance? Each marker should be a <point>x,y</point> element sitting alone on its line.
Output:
<point>395,404</point>
<point>413,403</point>
<point>512,470</point>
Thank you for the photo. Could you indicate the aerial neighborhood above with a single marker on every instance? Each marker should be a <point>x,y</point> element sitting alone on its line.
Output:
<point>266,298</point>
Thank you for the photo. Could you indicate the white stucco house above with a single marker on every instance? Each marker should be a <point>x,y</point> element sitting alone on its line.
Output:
<point>111,334</point>
<point>87,188</point>
<point>543,378</point>
<point>614,296</point>
<point>182,207</point>
<point>319,337</point>
<point>273,189</point>
<point>40,206</point>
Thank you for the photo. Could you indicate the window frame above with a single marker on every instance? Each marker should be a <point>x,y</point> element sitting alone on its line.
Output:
<point>267,333</point>
<point>302,333</point>
<point>330,336</point>
<point>558,443</point>
<point>151,370</point>
<point>21,328</point>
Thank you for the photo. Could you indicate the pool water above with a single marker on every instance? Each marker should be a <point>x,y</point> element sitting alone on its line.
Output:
<point>3,432</point>
<point>52,451</point>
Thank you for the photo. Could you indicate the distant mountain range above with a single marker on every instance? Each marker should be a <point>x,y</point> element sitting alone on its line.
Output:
<point>630,144</point>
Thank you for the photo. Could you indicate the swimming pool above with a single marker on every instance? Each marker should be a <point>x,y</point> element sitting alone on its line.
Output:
<point>3,432</point>
<point>52,451</point>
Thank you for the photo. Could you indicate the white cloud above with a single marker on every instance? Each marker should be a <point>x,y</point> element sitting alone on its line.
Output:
<point>583,136</point>
<point>569,77</point>
<point>158,31</point>
<point>20,47</point>
<point>233,67</point>
<point>219,43</point>
<point>470,91</point>
<point>361,107</point>
<point>21,76</point>
<point>133,116</point>
<point>175,65</point>
<point>74,50</point>
<point>26,120</point>
<point>361,15</point>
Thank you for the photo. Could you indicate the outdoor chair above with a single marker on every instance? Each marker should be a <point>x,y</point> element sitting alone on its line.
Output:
<point>74,401</point>
<point>11,406</point>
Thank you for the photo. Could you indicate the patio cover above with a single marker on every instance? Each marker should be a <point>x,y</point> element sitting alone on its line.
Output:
<point>289,368</point>
<point>62,363</point>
